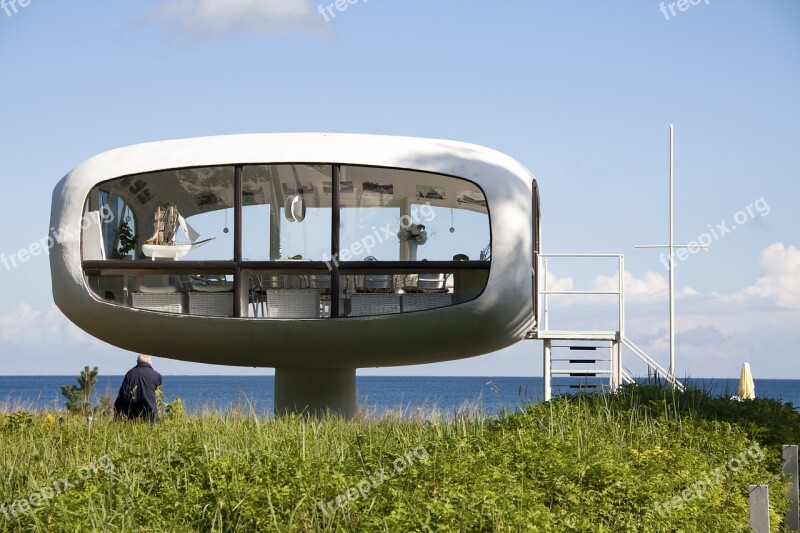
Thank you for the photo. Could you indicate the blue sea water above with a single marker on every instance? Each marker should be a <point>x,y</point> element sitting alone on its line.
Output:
<point>377,394</point>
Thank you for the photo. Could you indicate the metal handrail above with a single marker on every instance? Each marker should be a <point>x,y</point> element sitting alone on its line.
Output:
<point>580,292</point>
<point>541,265</point>
<point>659,370</point>
<point>627,378</point>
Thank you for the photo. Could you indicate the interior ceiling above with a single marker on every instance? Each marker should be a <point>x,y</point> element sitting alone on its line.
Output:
<point>205,189</point>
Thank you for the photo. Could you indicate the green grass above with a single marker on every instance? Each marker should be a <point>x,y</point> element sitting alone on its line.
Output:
<point>589,463</point>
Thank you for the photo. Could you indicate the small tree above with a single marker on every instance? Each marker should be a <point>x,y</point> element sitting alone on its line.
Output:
<point>173,409</point>
<point>79,397</point>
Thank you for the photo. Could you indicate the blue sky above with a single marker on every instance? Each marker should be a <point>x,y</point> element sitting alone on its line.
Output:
<point>579,92</point>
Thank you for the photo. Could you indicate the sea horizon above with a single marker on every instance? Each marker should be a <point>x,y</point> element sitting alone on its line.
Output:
<point>379,394</point>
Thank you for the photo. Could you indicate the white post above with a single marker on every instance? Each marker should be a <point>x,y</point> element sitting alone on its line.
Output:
<point>616,351</point>
<point>792,519</point>
<point>548,392</point>
<point>621,266</point>
<point>671,265</point>
<point>544,298</point>
<point>759,508</point>
<point>616,365</point>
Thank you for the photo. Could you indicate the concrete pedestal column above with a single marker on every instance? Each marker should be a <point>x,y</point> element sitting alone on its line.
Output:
<point>315,390</point>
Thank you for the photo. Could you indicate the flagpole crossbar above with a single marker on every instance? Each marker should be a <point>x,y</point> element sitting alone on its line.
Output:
<point>674,246</point>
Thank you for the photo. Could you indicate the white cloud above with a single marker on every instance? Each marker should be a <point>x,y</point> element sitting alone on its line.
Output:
<point>32,328</point>
<point>717,332</point>
<point>555,283</point>
<point>15,326</point>
<point>782,282</point>
<point>214,18</point>
<point>652,284</point>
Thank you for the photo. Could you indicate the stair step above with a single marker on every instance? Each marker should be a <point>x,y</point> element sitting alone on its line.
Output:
<point>581,373</point>
<point>581,361</point>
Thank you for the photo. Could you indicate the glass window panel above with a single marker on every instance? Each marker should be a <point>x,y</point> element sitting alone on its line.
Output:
<point>386,215</point>
<point>208,212</point>
<point>392,215</point>
<point>286,212</point>
<point>116,234</point>
<point>175,292</point>
<point>176,214</point>
<point>299,294</point>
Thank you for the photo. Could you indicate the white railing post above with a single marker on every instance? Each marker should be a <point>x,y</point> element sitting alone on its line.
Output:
<point>759,508</point>
<point>548,391</point>
<point>612,377</point>
<point>616,365</point>
<point>792,519</point>
<point>544,297</point>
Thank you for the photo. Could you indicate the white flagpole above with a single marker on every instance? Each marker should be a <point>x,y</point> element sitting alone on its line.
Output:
<point>671,264</point>
<point>671,248</point>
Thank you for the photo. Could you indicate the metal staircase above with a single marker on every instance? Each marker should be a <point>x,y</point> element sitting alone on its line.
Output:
<point>587,359</point>
<point>582,367</point>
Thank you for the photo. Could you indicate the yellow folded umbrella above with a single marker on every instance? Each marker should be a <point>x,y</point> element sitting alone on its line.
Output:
<point>747,389</point>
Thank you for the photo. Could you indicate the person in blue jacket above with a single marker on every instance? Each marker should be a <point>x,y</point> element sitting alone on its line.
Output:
<point>137,395</point>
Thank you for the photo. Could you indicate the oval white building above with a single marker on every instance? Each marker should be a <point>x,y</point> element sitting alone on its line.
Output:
<point>312,253</point>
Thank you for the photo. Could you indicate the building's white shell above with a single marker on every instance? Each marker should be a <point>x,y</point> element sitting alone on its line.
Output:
<point>501,316</point>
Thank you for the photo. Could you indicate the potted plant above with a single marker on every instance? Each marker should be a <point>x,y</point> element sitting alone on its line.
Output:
<point>126,240</point>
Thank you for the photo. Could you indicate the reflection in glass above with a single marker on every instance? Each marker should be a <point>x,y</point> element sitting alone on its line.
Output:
<point>393,214</point>
<point>110,224</point>
<point>194,294</point>
<point>207,211</point>
<point>296,295</point>
<point>172,215</point>
<point>286,212</point>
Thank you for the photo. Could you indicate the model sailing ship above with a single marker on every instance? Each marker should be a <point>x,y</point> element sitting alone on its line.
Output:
<point>163,244</point>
